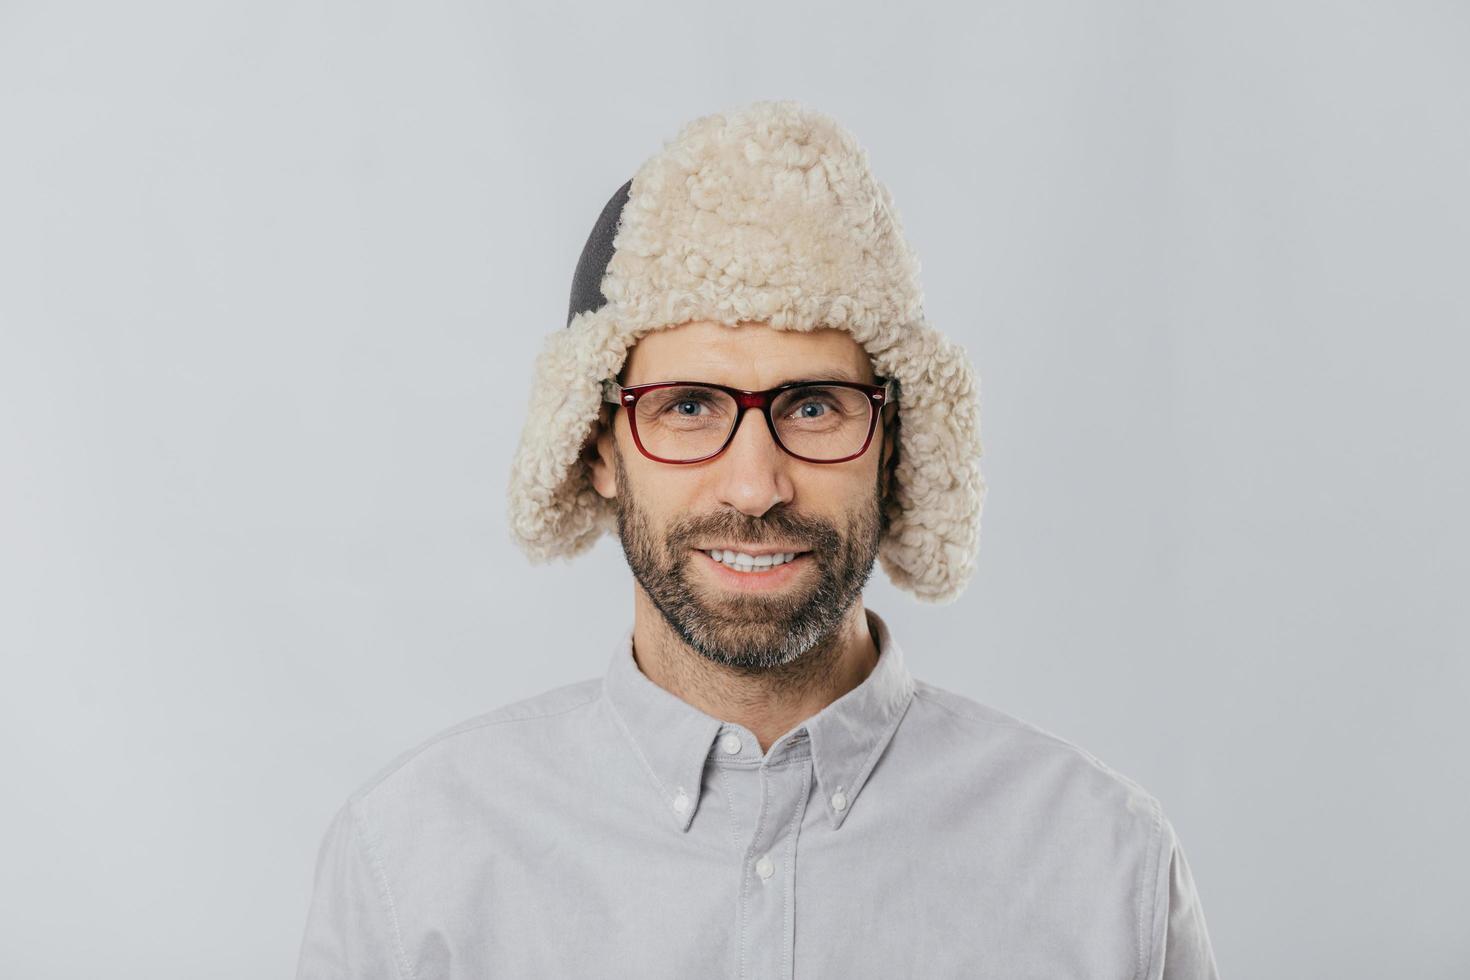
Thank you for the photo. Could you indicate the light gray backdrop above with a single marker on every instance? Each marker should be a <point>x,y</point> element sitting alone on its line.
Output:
<point>274,275</point>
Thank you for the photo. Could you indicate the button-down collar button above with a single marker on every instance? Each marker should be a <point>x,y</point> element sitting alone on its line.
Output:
<point>681,802</point>
<point>765,867</point>
<point>731,743</point>
<point>839,801</point>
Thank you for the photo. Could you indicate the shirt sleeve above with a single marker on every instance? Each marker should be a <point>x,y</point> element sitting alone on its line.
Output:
<point>351,930</point>
<point>1181,947</point>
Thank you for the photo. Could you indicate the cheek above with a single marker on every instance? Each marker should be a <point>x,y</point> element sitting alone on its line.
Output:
<point>834,498</point>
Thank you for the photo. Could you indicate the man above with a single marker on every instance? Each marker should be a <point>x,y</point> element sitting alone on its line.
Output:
<point>747,392</point>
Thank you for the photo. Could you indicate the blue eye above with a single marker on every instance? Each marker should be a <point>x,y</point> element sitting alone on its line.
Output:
<point>823,402</point>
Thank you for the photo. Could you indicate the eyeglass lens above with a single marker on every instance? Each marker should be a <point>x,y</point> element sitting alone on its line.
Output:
<point>689,422</point>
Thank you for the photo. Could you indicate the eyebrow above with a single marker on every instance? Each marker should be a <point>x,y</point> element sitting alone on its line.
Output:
<point>824,374</point>
<point>831,374</point>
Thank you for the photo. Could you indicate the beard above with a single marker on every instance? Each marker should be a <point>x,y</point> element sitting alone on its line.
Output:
<point>749,632</point>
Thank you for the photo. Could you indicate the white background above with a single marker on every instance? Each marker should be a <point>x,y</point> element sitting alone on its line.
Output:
<point>273,276</point>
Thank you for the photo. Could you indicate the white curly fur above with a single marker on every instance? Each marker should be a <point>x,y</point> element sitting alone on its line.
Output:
<point>764,213</point>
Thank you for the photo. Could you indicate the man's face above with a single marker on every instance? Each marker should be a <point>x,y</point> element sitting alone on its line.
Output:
<point>752,494</point>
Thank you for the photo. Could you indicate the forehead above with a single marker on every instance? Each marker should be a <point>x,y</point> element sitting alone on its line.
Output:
<point>749,355</point>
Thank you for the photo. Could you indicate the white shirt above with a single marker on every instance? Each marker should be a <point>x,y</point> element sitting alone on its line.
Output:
<point>609,829</point>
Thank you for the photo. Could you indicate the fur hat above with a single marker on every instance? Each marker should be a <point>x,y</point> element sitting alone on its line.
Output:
<point>763,213</point>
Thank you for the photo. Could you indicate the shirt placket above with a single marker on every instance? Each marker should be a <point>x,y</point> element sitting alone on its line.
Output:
<point>768,879</point>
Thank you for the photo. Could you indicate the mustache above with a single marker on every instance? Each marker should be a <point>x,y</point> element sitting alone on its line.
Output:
<point>806,534</point>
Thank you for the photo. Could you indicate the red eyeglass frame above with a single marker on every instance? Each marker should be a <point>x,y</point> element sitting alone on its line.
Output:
<point>879,395</point>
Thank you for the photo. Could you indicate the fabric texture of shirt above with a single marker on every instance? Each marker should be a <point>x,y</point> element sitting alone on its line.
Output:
<point>608,828</point>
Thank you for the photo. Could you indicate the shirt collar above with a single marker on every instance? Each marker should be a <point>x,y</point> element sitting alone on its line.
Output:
<point>673,739</point>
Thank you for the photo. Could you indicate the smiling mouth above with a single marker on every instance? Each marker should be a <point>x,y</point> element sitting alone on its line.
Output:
<point>750,564</point>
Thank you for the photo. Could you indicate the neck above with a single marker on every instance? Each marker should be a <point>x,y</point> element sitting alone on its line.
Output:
<point>769,703</point>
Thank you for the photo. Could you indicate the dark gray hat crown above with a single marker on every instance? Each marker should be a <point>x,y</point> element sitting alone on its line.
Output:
<point>596,254</point>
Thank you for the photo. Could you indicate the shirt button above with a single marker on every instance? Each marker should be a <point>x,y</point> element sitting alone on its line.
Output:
<point>681,802</point>
<point>731,743</point>
<point>839,801</point>
<point>765,867</point>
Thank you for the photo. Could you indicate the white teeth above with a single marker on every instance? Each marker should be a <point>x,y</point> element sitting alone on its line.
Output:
<point>746,563</point>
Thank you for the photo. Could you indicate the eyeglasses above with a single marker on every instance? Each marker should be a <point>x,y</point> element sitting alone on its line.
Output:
<point>691,421</point>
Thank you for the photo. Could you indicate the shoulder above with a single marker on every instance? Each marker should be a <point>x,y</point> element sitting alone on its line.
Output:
<point>475,744</point>
<point>1033,765</point>
<point>1058,811</point>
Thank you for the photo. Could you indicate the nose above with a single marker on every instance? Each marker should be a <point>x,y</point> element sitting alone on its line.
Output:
<point>754,471</point>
